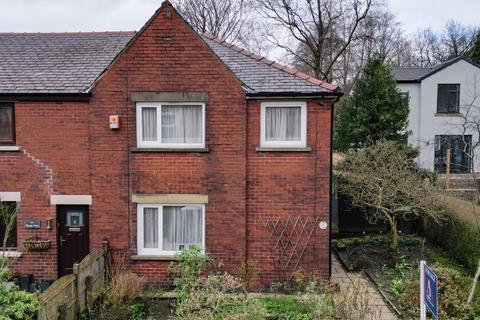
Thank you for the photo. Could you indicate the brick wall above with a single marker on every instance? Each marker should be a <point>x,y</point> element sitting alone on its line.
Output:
<point>78,152</point>
<point>168,56</point>
<point>54,160</point>
<point>288,195</point>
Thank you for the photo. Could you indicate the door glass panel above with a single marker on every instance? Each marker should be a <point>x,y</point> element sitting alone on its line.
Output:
<point>74,219</point>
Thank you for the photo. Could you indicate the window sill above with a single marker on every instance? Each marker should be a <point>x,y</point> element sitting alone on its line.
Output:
<point>9,148</point>
<point>166,150</point>
<point>282,149</point>
<point>10,254</point>
<point>153,258</point>
<point>447,114</point>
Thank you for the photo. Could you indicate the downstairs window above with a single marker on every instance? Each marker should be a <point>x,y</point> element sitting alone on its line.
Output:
<point>168,229</point>
<point>8,224</point>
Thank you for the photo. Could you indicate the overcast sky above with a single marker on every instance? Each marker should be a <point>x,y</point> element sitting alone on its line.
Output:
<point>420,14</point>
<point>101,15</point>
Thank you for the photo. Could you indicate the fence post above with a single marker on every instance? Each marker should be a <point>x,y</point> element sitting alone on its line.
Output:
<point>77,287</point>
<point>106,261</point>
<point>447,177</point>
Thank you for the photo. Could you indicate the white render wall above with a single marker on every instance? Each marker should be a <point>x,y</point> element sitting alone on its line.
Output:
<point>424,123</point>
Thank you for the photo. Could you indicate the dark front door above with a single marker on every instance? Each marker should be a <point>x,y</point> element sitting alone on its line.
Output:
<point>72,237</point>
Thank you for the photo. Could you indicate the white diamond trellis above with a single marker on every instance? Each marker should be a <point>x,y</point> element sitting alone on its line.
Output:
<point>289,237</point>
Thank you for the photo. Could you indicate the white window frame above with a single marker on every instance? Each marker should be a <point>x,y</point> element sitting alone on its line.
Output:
<point>158,143</point>
<point>141,250</point>
<point>284,144</point>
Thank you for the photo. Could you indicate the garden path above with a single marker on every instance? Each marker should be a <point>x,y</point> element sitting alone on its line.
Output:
<point>359,282</point>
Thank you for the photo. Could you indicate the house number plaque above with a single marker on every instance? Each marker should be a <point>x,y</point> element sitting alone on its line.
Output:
<point>32,224</point>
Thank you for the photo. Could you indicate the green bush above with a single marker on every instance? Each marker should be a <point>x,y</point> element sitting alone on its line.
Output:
<point>192,262</point>
<point>138,311</point>
<point>16,304</point>
<point>375,240</point>
<point>458,239</point>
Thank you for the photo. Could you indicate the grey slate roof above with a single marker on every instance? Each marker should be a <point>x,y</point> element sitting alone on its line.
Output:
<point>262,76</point>
<point>56,62</point>
<point>418,74</point>
<point>409,74</point>
<point>71,62</point>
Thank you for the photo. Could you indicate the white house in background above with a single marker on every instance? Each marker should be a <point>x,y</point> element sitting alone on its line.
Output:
<point>437,97</point>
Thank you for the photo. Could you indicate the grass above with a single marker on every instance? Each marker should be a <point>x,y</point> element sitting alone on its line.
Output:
<point>284,307</point>
<point>465,210</point>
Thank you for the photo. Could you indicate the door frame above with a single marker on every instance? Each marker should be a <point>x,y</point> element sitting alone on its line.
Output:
<point>58,227</point>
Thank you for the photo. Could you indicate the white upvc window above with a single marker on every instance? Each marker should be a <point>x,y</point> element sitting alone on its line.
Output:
<point>170,125</point>
<point>283,124</point>
<point>165,230</point>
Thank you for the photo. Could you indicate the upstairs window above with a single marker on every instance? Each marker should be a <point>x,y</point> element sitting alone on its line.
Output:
<point>171,125</point>
<point>448,98</point>
<point>7,124</point>
<point>283,124</point>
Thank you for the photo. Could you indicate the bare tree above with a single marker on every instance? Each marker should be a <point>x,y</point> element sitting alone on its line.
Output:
<point>433,48</point>
<point>457,39</point>
<point>318,32</point>
<point>425,46</point>
<point>388,185</point>
<point>379,34</point>
<point>226,19</point>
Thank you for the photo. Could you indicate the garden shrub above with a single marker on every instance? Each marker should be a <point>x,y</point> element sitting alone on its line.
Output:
<point>458,239</point>
<point>191,264</point>
<point>218,296</point>
<point>114,301</point>
<point>16,304</point>
<point>375,240</point>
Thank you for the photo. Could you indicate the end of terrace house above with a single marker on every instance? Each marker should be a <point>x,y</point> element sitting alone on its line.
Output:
<point>159,139</point>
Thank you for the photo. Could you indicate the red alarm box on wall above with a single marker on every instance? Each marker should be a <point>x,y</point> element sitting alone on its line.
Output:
<point>114,122</point>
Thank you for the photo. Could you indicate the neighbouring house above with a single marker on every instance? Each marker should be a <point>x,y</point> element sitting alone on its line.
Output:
<point>159,139</point>
<point>438,97</point>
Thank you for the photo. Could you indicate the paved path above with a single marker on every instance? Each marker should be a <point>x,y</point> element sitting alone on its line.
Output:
<point>358,281</point>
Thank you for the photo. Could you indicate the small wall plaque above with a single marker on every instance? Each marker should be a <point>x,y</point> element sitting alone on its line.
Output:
<point>32,224</point>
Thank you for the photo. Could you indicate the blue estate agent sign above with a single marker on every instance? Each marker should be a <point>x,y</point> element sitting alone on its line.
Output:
<point>430,286</point>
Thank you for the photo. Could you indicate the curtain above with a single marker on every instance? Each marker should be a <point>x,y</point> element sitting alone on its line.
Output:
<point>283,123</point>
<point>182,227</point>
<point>182,124</point>
<point>150,228</point>
<point>6,124</point>
<point>149,124</point>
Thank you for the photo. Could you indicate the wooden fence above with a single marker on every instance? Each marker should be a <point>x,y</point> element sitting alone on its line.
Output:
<point>69,296</point>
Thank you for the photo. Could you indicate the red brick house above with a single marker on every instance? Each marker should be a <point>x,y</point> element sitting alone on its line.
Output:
<point>159,139</point>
